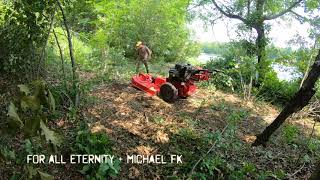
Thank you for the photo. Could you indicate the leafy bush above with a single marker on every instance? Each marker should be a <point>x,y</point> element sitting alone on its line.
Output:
<point>30,115</point>
<point>276,91</point>
<point>97,144</point>
<point>165,33</point>
<point>23,19</point>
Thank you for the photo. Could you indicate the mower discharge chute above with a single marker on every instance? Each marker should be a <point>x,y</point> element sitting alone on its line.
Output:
<point>180,83</point>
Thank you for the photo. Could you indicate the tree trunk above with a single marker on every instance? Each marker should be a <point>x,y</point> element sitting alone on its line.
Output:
<point>61,57</point>
<point>261,67</point>
<point>73,64</point>
<point>300,100</point>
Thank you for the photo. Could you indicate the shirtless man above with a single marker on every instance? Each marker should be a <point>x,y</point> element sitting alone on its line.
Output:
<point>144,54</point>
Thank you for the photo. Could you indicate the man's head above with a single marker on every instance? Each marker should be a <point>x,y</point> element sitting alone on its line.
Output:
<point>139,43</point>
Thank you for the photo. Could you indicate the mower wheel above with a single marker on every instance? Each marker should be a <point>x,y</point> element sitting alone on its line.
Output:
<point>168,92</point>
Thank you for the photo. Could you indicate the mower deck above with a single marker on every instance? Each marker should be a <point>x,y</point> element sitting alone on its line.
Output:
<point>147,83</point>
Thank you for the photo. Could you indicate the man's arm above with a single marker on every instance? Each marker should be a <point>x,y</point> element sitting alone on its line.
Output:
<point>148,51</point>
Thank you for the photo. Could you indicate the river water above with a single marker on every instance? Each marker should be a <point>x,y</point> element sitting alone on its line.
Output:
<point>285,73</point>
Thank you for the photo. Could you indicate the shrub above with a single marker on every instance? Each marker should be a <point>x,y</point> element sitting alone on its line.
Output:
<point>97,144</point>
<point>276,91</point>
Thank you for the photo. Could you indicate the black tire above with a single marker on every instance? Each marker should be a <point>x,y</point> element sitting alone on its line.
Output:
<point>168,92</point>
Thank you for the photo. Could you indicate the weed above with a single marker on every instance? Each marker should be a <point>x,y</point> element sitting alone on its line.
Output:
<point>7,154</point>
<point>236,116</point>
<point>220,106</point>
<point>190,122</point>
<point>314,145</point>
<point>96,143</point>
<point>187,133</point>
<point>158,119</point>
<point>208,85</point>
<point>290,133</point>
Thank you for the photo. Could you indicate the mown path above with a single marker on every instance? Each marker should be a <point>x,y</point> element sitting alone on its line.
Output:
<point>140,124</point>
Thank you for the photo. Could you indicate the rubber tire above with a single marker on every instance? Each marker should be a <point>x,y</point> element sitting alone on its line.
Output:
<point>168,92</point>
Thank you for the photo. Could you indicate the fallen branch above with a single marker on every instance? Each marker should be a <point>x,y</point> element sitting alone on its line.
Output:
<point>297,171</point>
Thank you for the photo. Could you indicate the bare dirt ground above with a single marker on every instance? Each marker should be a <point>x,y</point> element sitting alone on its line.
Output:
<point>140,124</point>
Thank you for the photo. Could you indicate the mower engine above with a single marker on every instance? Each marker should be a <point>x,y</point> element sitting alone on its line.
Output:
<point>180,82</point>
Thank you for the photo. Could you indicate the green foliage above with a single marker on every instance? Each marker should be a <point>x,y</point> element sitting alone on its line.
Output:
<point>36,173</point>
<point>235,116</point>
<point>238,65</point>
<point>216,165</point>
<point>187,133</point>
<point>35,103</point>
<point>25,20</point>
<point>160,24</point>
<point>2,12</point>
<point>96,143</point>
<point>18,157</point>
<point>81,15</point>
<point>290,133</point>
<point>214,48</point>
<point>7,154</point>
<point>312,4</point>
<point>314,145</point>
<point>276,91</point>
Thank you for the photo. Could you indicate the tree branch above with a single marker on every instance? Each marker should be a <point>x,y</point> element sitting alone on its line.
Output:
<point>300,17</point>
<point>248,8</point>
<point>229,15</point>
<point>271,17</point>
<point>201,3</point>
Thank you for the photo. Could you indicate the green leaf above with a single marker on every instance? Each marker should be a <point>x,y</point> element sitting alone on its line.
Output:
<point>25,89</point>
<point>7,154</point>
<point>31,126</point>
<point>111,165</point>
<point>50,135</point>
<point>45,176</point>
<point>85,168</point>
<point>31,171</point>
<point>31,102</point>
<point>103,168</point>
<point>13,115</point>
<point>28,146</point>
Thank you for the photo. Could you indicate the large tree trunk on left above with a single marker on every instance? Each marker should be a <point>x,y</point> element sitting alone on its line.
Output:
<point>300,100</point>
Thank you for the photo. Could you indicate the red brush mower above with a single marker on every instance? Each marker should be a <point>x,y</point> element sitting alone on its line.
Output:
<point>180,83</point>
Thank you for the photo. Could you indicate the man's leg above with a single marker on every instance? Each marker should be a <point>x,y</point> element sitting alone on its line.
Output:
<point>138,65</point>
<point>146,65</point>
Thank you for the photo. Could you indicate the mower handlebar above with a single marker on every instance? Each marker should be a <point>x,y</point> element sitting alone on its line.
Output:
<point>206,70</point>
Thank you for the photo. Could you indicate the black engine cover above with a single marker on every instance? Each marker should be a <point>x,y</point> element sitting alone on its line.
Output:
<point>181,73</point>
